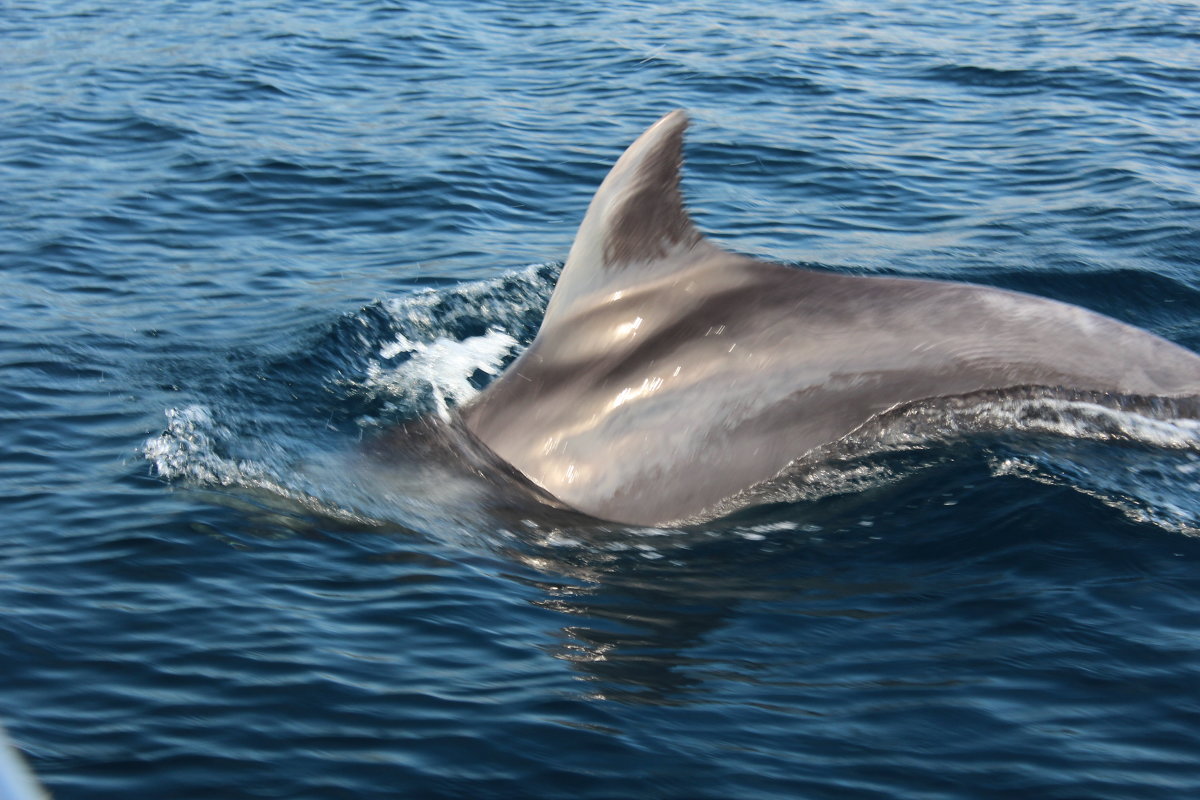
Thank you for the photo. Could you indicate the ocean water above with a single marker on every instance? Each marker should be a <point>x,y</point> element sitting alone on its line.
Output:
<point>237,238</point>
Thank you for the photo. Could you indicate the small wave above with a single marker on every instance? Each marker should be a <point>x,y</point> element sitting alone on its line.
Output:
<point>395,360</point>
<point>1155,421</point>
<point>991,77</point>
<point>1154,488</point>
<point>139,129</point>
<point>1140,455</point>
<point>427,352</point>
<point>194,448</point>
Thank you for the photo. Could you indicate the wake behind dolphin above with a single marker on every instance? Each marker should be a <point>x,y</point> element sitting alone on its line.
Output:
<point>669,375</point>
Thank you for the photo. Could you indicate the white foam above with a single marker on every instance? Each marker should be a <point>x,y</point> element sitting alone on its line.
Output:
<point>185,449</point>
<point>189,450</point>
<point>440,370</point>
<point>906,439</point>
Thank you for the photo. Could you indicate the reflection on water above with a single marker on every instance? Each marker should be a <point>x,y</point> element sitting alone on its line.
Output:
<point>649,609</point>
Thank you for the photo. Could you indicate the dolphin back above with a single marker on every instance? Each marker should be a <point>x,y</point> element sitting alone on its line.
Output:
<point>669,374</point>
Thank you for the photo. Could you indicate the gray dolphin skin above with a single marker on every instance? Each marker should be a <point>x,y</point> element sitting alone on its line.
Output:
<point>670,374</point>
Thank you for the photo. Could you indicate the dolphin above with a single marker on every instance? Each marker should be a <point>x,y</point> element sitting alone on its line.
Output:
<point>670,374</point>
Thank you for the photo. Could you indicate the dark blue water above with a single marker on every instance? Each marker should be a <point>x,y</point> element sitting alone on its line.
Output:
<point>235,238</point>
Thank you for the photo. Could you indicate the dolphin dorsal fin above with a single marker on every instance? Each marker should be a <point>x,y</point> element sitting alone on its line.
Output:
<point>636,227</point>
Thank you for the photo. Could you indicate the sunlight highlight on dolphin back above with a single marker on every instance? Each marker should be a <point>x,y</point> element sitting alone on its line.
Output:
<point>781,362</point>
<point>648,387</point>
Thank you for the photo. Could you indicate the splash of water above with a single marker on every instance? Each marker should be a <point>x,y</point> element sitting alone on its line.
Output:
<point>426,353</point>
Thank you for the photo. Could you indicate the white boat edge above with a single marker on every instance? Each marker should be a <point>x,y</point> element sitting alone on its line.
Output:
<point>17,781</point>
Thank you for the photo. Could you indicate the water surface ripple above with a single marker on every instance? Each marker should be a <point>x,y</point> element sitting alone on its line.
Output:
<point>234,238</point>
